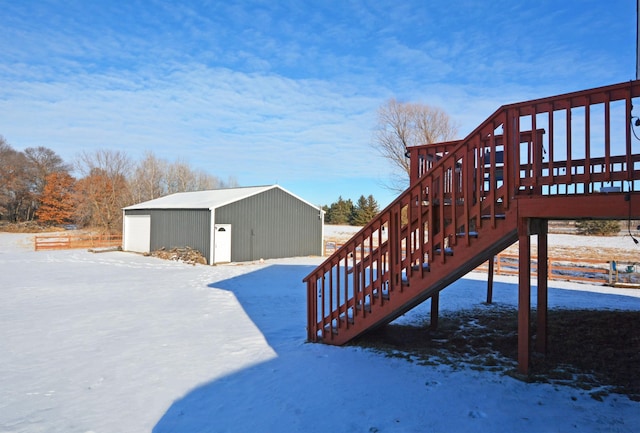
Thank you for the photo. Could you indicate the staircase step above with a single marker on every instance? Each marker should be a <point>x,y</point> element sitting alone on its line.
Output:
<point>367,307</point>
<point>471,234</point>
<point>425,266</point>
<point>447,251</point>
<point>385,295</point>
<point>333,325</point>
<point>333,329</point>
<point>499,216</point>
<point>348,317</point>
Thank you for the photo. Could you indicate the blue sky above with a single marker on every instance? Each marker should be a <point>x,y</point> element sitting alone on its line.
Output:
<point>287,91</point>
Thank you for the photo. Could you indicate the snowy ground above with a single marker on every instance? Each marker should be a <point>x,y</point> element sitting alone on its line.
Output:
<point>117,342</point>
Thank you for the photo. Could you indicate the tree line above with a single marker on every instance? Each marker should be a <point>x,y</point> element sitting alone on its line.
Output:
<point>37,185</point>
<point>345,212</point>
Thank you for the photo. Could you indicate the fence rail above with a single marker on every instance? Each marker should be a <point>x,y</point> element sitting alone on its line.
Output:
<point>66,242</point>
<point>608,272</point>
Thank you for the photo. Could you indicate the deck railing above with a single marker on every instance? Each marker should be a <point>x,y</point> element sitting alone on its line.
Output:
<point>573,144</point>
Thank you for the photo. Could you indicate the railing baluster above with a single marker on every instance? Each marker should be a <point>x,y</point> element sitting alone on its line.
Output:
<point>536,150</point>
<point>569,169</point>
<point>551,151</point>
<point>587,145</point>
<point>629,162</point>
<point>607,136</point>
<point>324,283</point>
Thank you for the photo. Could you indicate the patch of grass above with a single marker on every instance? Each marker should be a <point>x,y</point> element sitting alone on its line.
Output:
<point>593,350</point>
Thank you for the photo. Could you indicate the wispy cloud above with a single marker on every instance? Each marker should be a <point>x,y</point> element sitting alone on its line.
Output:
<point>285,90</point>
<point>242,124</point>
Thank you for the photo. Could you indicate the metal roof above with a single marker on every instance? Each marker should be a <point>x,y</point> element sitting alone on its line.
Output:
<point>210,199</point>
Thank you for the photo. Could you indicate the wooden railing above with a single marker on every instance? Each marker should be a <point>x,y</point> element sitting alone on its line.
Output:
<point>71,241</point>
<point>584,143</point>
<point>559,268</point>
<point>465,195</point>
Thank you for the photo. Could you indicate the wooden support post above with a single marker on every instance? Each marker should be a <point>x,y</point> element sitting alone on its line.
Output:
<point>490,280</point>
<point>524,295</point>
<point>435,309</point>
<point>543,275</point>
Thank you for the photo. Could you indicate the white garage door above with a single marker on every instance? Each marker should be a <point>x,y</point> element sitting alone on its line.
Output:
<point>137,233</point>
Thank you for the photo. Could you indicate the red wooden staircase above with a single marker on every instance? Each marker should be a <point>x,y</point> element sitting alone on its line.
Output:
<point>564,157</point>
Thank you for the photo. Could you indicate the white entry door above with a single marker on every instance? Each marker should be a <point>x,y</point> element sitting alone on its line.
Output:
<point>222,241</point>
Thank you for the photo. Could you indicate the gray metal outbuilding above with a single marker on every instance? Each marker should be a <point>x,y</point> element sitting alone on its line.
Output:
<point>227,225</point>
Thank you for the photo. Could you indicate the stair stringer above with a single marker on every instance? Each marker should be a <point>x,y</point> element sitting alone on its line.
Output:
<point>466,258</point>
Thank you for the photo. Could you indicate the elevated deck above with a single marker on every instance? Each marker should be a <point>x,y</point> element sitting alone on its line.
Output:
<point>570,156</point>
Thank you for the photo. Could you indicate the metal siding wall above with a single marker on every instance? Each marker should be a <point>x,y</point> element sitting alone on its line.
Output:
<point>272,224</point>
<point>179,228</point>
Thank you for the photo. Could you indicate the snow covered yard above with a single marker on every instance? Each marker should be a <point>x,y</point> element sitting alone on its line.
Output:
<point>117,342</point>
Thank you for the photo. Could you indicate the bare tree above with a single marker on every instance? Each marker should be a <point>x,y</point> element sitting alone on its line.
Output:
<point>179,178</point>
<point>154,177</point>
<point>100,199</point>
<point>182,178</point>
<point>149,179</point>
<point>23,177</point>
<point>401,125</point>
<point>42,162</point>
<point>232,182</point>
<point>15,190</point>
<point>6,152</point>
<point>204,181</point>
<point>104,190</point>
<point>113,162</point>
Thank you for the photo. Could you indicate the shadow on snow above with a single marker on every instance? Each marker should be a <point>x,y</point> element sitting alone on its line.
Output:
<point>315,387</point>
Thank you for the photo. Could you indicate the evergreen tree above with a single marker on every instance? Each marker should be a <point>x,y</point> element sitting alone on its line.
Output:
<point>340,212</point>
<point>365,210</point>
